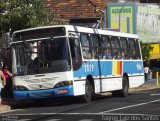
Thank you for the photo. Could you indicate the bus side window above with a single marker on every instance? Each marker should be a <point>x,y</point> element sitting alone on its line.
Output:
<point>106,47</point>
<point>124,48</point>
<point>132,49</point>
<point>116,48</point>
<point>75,53</point>
<point>85,46</point>
<point>95,46</point>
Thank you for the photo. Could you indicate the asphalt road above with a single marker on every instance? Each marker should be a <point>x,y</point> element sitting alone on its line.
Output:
<point>142,106</point>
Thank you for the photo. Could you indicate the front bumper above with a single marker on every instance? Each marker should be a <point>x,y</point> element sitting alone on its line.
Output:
<point>48,93</point>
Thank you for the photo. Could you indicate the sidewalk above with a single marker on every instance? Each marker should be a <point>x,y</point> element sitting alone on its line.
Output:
<point>4,108</point>
<point>6,105</point>
<point>151,84</point>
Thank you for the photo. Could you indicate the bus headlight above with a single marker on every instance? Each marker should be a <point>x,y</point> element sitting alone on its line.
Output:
<point>63,83</point>
<point>21,88</point>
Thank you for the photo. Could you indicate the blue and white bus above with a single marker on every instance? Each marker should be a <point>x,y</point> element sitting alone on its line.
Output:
<point>66,60</point>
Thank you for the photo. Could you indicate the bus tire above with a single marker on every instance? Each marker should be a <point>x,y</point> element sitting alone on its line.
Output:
<point>88,92</point>
<point>125,87</point>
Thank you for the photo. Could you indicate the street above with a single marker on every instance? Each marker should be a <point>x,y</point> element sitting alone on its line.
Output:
<point>141,105</point>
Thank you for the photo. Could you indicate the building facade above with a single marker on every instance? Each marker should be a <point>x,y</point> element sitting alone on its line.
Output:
<point>80,12</point>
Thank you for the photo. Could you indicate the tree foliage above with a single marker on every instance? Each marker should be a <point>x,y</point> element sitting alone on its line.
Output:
<point>146,49</point>
<point>21,14</point>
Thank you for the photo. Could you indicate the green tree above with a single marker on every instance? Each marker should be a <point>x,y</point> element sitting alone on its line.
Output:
<point>3,18</point>
<point>21,14</point>
<point>146,48</point>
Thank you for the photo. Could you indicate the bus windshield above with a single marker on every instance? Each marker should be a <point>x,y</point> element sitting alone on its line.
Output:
<point>42,56</point>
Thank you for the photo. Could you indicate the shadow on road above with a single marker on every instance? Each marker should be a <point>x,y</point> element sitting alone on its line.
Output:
<point>51,102</point>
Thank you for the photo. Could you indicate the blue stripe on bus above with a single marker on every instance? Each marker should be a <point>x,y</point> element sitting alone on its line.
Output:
<point>37,94</point>
<point>92,68</point>
<point>132,67</point>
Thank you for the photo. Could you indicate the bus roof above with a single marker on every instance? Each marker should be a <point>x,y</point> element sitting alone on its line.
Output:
<point>73,28</point>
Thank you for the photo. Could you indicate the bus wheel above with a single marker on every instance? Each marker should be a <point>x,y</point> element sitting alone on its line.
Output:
<point>88,92</point>
<point>125,87</point>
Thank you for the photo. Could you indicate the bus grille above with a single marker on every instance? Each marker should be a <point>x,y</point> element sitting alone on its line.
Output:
<point>32,81</point>
<point>40,86</point>
<point>43,83</point>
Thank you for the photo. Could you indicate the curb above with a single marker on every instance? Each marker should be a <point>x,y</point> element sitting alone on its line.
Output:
<point>144,87</point>
<point>136,89</point>
<point>6,105</point>
<point>4,108</point>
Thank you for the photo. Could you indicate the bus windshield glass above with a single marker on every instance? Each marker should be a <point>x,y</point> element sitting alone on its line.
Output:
<point>42,56</point>
<point>39,33</point>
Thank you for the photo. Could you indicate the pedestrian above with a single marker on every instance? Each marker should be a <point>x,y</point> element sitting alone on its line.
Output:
<point>2,83</point>
<point>8,76</point>
<point>147,71</point>
<point>107,54</point>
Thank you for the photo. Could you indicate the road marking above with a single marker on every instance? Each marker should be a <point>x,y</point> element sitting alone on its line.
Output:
<point>24,120</point>
<point>11,111</point>
<point>130,106</point>
<point>100,113</point>
<point>46,120</point>
<point>154,94</point>
<point>86,120</point>
<point>31,114</point>
<point>54,120</point>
